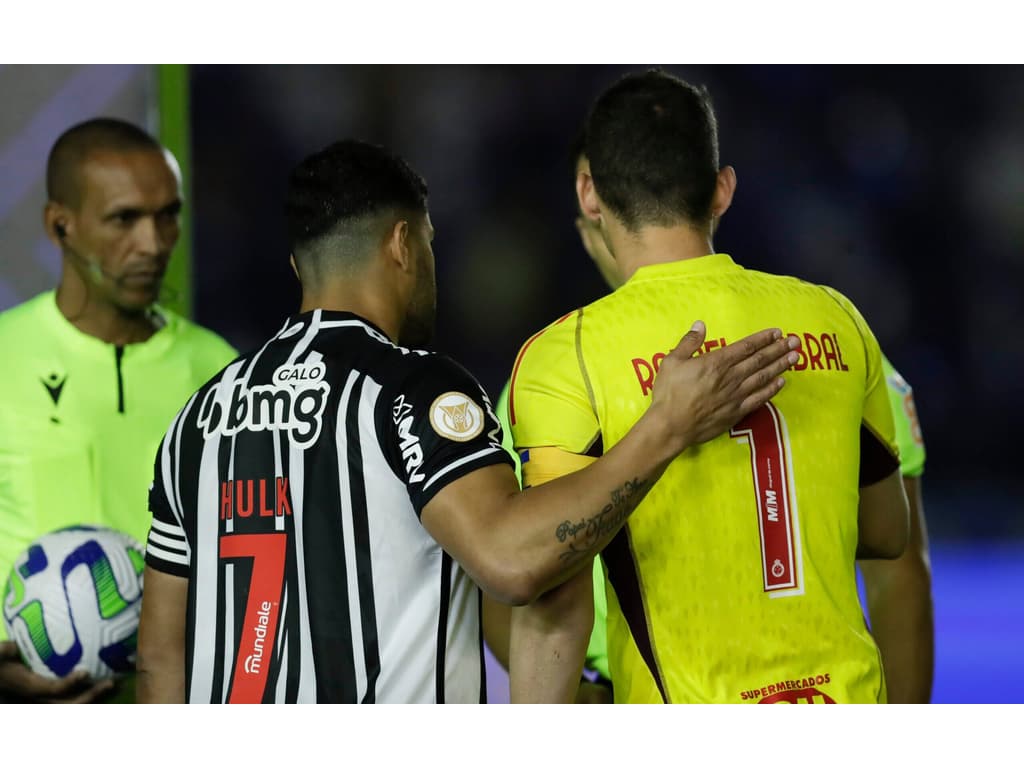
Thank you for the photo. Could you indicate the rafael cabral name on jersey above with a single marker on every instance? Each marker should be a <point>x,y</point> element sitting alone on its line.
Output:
<point>818,352</point>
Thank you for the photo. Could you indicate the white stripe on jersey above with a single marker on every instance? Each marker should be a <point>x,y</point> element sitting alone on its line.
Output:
<point>456,464</point>
<point>206,583</point>
<point>176,545</point>
<point>166,554</point>
<point>297,480</point>
<point>351,571</point>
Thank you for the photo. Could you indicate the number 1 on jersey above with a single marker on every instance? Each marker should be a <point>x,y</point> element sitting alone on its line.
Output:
<point>764,430</point>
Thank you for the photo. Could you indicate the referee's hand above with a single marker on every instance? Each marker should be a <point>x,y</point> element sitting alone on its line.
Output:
<point>20,684</point>
<point>703,396</point>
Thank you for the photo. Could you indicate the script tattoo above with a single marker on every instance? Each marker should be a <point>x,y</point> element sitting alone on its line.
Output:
<point>583,535</point>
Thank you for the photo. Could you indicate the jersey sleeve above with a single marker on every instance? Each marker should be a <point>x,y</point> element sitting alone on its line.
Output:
<point>551,411</point>
<point>439,426</point>
<point>908,427</point>
<point>501,411</point>
<point>167,546</point>
<point>879,452</point>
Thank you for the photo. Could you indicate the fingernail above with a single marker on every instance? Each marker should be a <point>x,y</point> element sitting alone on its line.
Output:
<point>698,326</point>
<point>794,342</point>
<point>793,357</point>
<point>782,383</point>
<point>776,334</point>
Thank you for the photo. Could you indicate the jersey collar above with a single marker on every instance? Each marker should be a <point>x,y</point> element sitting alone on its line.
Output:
<point>715,262</point>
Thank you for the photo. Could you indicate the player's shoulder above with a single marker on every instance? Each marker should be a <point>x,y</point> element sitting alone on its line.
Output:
<point>27,314</point>
<point>196,336</point>
<point>552,337</point>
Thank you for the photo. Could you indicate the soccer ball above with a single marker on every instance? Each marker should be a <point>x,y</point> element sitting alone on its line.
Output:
<point>72,601</point>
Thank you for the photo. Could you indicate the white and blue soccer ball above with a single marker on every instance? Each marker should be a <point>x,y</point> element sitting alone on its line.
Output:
<point>72,601</point>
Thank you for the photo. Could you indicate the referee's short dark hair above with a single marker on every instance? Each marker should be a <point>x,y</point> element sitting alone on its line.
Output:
<point>78,142</point>
<point>346,181</point>
<point>652,143</point>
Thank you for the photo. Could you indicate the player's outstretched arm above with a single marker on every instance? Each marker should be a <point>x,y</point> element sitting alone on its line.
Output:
<point>519,545</point>
<point>20,684</point>
<point>899,602</point>
<point>161,658</point>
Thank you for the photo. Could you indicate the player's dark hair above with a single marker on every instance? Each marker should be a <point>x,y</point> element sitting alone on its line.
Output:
<point>652,142</point>
<point>78,142</point>
<point>343,184</point>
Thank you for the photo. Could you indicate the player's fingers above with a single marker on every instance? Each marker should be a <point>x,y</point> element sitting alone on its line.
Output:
<point>742,351</point>
<point>9,651</point>
<point>760,396</point>
<point>765,359</point>
<point>61,687</point>
<point>762,377</point>
<point>691,341</point>
<point>94,692</point>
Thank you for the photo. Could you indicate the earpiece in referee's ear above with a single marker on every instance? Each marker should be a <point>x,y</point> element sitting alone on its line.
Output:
<point>59,229</point>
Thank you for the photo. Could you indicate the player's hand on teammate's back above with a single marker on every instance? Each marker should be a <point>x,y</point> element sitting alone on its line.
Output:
<point>703,396</point>
<point>18,683</point>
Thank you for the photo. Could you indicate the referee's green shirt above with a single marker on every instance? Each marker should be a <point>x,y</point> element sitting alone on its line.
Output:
<point>80,419</point>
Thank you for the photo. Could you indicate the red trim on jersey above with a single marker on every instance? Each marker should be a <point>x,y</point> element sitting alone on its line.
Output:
<point>519,359</point>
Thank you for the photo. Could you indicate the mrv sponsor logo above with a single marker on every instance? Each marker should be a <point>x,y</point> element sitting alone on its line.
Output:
<point>294,403</point>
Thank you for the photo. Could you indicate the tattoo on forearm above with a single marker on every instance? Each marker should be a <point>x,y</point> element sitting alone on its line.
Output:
<point>583,535</point>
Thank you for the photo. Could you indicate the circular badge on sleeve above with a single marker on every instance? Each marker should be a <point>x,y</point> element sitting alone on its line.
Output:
<point>455,416</point>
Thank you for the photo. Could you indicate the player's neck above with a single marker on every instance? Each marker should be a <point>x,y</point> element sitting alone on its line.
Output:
<point>366,304</point>
<point>658,245</point>
<point>96,317</point>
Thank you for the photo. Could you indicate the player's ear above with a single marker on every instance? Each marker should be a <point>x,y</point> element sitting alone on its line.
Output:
<point>396,245</point>
<point>725,188</point>
<point>586,196</point>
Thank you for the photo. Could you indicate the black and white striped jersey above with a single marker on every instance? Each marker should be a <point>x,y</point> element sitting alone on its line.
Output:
<point>288,491</point>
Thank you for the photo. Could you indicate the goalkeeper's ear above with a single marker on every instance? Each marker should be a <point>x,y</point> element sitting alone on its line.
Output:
<point>725,188</point>
<point>586,196</point>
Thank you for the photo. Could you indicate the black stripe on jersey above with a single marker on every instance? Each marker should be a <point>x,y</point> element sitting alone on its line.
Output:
<point>361,536</point>
<point>480,643</point>
<point>224,452</point>
<point>622,572</point>
<point>288,621</point>
<point>442,626</point>
<point>876,460</point>
<point>323,531</point>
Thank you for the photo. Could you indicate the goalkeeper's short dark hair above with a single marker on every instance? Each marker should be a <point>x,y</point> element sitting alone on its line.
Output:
<point>652,143</point>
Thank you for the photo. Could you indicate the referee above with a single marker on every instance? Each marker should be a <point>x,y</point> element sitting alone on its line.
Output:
<point>325,507</point>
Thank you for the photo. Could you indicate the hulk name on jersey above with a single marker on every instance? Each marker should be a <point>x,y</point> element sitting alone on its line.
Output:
<point>289,490</point>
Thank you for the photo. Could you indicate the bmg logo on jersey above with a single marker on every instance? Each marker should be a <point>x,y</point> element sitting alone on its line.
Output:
<point>293,403</point>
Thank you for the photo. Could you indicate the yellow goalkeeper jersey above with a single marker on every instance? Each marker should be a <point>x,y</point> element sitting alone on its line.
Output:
<point>734,580</point>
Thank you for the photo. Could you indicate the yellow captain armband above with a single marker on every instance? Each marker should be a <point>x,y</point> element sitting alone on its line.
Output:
<point>547,463</point>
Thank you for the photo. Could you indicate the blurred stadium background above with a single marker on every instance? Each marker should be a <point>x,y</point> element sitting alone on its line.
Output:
<point>902,186</point>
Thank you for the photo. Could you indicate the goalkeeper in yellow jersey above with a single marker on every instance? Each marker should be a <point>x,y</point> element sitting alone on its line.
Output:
<point>898,591</point>
<point>749,594</point>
